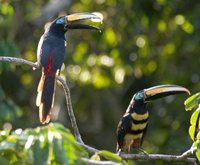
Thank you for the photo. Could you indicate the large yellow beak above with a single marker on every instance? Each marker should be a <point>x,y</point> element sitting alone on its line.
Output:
<point>71,20</point>
<point>164,90</point>
<point>82,16</point>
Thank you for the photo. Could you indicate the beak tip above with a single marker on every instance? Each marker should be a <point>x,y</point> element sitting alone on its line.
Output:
<point>188,92</point>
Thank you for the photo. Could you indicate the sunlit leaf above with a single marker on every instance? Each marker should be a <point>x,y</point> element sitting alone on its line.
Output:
<point>110,156</point>
<point>192,102</point>
<point>95,157</point>
<point>162,26</point>
<point>34,146</point>
<point>196,144</point>
<point>194,117</point>
<point>40,154</point>
<point>192,132</point>
<point>6,9</point>
<point>198,154</point>
<point>100,80</point>
<point>110,37</point>
<point>194,121</point>
<point>188,27</point>
<point>59,152</point>
<point>198,135</point>
<point>80,51</point>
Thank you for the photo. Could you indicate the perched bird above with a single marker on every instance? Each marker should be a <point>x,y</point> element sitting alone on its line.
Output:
<point>50,57</point>
<point>133,125</point>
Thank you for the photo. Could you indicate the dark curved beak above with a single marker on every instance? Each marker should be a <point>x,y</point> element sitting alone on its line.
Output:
<point>160,91</point>
<point>73,19</point>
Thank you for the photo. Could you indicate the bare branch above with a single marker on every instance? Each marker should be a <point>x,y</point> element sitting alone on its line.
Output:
<point>18,60</point>
<point>90,149</point>
<point>65,87</point>
<point>164,157</point>
<point>175,158</point>
<point>70,110</point>
<point>188,152</point>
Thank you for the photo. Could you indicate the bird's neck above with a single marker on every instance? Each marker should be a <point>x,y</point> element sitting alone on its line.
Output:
<point>137,107</point>
<point>56,31</point>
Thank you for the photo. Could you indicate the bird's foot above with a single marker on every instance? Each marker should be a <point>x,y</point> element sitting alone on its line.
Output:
<point>119,152</point>
<point>34,68</point>
<point>143,152</point>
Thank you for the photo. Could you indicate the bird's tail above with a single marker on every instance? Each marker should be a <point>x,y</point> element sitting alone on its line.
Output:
<point>45,97</point>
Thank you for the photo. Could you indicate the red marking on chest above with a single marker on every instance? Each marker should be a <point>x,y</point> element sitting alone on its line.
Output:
<point>48,69</point>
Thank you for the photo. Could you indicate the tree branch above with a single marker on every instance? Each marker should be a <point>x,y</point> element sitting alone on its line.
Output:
<point>70,110</point>
<point>183,157</point>
<point>18,60</point>
<point>188,152</point>
<point>91,150</point>
<point>177,158</point>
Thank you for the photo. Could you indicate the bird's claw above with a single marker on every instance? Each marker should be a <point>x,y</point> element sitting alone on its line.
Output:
<point>143,152</point>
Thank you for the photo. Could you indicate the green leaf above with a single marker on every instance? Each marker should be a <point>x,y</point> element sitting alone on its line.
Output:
<point>192,132</point>
<point>194,121</point>
<point>198,154</point>
<point>194,117</point>
<point>197,144</point>
<point>95,157</point>
<point>51,144</point>
<point>59,152</point>
<point>192,102</point>
<point>40,154</point>
<point>110,156</point>
<point>198,135</point>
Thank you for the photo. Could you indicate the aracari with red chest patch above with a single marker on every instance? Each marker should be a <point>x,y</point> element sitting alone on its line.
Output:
<point>50,57</point>
<point>133,125</point>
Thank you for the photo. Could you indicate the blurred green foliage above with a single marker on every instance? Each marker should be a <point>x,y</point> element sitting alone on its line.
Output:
<point>52,144</point>
<point>142,44</point>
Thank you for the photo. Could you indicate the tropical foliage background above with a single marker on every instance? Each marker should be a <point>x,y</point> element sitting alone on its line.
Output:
<point>142,44</point>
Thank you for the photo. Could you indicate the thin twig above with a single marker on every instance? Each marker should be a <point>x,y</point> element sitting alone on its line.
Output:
<point>91,150</point>
<point>70,110</point>
<point>65,87</point>
<point>189,152</point>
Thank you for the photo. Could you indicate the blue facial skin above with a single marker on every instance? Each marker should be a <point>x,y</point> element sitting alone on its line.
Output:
<point>139,96</point>
<point>60,20</point>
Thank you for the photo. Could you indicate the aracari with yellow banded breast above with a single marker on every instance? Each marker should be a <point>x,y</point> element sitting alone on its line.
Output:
<point>133,125</point>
